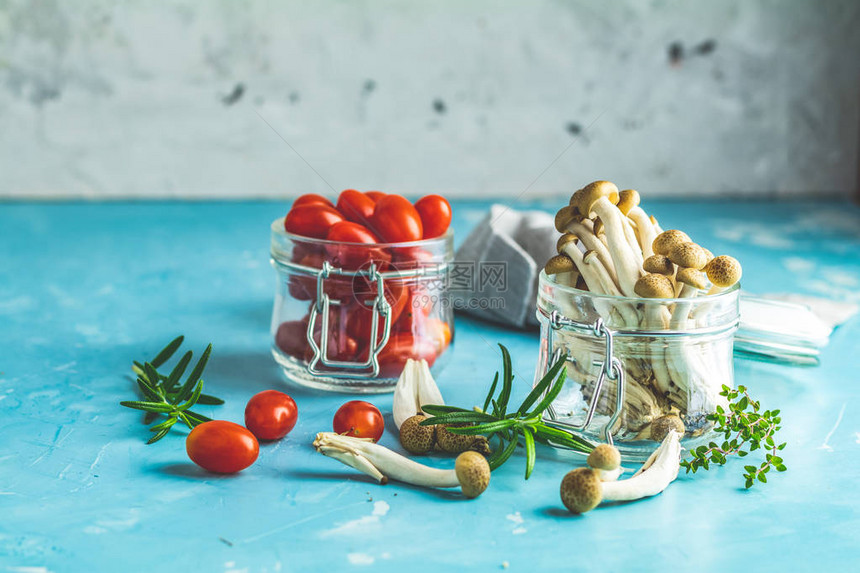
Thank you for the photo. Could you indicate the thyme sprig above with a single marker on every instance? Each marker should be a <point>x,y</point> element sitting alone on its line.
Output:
<point>526,422</point>
<point>745,430</point>
<point>164,395</point>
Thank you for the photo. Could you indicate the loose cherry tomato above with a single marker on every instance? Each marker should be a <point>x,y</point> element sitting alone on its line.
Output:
<point>313,220</point>
<point>375,195</point>
<point>356,206</point>
<point>312,199</point>
<point>270,415</point>
<point>222,447</point>
<point>359,419</point>
<point>435,212</point>
<point>395,220</point>
<point>402,346</point>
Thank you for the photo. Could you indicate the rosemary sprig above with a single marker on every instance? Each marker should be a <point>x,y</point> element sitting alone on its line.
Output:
<point>526,421</point>
<point>745,430</point>
<point>164,395</point>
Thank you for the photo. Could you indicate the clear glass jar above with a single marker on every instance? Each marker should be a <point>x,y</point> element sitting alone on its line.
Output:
<point>672,355</point>
<point>331,287</point>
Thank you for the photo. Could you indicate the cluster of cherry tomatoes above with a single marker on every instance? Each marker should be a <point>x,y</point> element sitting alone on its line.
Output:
<point>369,217</point>
<point>224,447</point>
<point>361,229</point>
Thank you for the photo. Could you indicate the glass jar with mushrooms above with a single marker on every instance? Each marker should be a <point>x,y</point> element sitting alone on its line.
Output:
<point>626,301</point>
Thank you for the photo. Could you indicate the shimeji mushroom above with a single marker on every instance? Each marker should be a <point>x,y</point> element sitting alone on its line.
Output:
<point>582,490</point>
<point>471,471</point>
<point>665,241</point>
<point>594,198</point>
<point>563,268</point>
<point>691,282</point>
<point>659,264</point>
<point>628,203</point>
<point>605,460</point>
<point>580,229</point>
<point>723,271</point>
<point>656,286</point>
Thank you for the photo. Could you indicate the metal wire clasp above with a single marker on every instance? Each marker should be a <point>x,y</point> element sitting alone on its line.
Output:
<point>381,307</point>
<point>611,368</point>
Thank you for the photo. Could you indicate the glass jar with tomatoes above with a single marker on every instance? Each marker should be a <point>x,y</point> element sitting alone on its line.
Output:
<point>362,287</point>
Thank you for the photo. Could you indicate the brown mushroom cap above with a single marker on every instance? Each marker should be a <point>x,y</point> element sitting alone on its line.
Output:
<point>689,255</point>
<point>455,443</point>
<point>709,254</point>
<point>627,199</point>
<point>692,277</point>
<point>564,240</point>
<point>659,264</point>
<point>473,473</point>
<point>593,192</point>
<point>661,426</point>
<point>563,217</point>
<point>559,264</point>
<point>581,490</point>
<point>653,285</point>
<point>664,242</point>
<point>724,271</point>
<point>415,438</point>
<point>605,457</point>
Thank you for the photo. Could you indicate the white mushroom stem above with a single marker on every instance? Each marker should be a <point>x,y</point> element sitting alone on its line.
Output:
<point>622,255</point>
<point>646,233</point>
<point>682,309</point>
<point>632,241</point>
<point>661,472</point>
<point>629,316</point>
<point>381,463</point>
<point>592,243</point>
<point>609,475</point>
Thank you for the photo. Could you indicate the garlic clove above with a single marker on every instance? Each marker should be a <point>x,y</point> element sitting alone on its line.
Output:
<point>415,388</point>
<point>405,403</point>
<point>428,391</point>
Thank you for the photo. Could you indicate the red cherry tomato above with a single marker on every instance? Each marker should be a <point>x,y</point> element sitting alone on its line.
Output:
<point>359,419</point>
<point>312,220</point>
<point>375,195</point>
<point>270,415</point>
<point>349,232</point>
<point>222,447</point>
<point>402,346</point>
<point>356,206</point>
<point>435,212</point>
<point>395,220</point>
<point>291,337</point>
<point>312,199</point>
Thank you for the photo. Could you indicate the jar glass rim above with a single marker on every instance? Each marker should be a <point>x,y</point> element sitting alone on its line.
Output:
<point>278,229</point>
<point>546,279</point>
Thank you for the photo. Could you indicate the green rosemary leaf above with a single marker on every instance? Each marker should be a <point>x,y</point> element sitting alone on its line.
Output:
<point>551,395</point>
<point>150,374</point>
<point>148,392</point>
<point>195,374</point>
<point>491,392</point>
<point>507,381</point>
<point>165,425</point>
<point>530,450</point>
<point>438,410</point>
<point>458,418</point>
<point>196,418</point>
<point>159,407</point>
<point>562,438</point>
<point>137,368</point>
<point>193,398</point>
<point>541,386</point>
<point>177,372</point>
<point>157,436</point>
<point>207,400</point>
<point>500,456</point>
<point>167,351</point>
<point>488,428</point>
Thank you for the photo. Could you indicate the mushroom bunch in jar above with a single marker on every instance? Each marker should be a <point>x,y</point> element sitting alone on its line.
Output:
<point>652,283</point>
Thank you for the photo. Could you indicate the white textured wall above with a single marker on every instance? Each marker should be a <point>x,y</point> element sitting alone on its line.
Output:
<point>108,99</point>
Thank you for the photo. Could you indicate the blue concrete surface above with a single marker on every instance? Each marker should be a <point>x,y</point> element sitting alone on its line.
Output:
<point>87,288</point>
